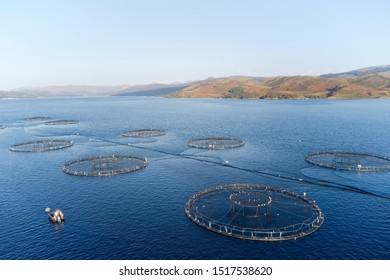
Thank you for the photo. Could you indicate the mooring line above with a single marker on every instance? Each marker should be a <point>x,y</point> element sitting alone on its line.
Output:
<point>205,159</point>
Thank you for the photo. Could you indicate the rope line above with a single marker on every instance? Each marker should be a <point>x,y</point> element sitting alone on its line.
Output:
<point>220,162</point>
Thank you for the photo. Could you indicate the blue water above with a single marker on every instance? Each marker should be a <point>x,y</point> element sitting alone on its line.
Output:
<point>141,215</point>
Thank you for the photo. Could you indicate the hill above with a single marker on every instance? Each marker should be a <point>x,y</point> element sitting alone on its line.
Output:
<point>59,91</point>
<point>121,90</point>
<point>384,70</point>
<point>150,90</point>
<point>370,82</point>
<point>295,87</point>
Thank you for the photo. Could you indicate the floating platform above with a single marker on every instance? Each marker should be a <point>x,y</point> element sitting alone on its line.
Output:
<point>41,146</point>
<point>254,212</point>
<point>38,119</point>
<point>349,161</point>
<point>143,133</point>
<point>105,165</point>
<point>62,122</point>
<point>216,143</point>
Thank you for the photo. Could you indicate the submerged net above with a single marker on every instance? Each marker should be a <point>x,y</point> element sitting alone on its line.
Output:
<point>62,122</point>
<point>350,161</point>
<point>38,119</point>
<point>216,143</point>
<point>254,212</point>
<point>107,165</point>
<point>141,133</point>
<point>41,146</point>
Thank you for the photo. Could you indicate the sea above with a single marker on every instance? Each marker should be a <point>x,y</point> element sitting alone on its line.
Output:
<point>140,215</point>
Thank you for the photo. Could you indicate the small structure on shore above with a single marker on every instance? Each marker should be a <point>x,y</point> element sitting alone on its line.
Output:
<point>105,165</point>
<point>40,146</point>
<point>215,143</point>
<point>349,161</point>
<point>254,212</point>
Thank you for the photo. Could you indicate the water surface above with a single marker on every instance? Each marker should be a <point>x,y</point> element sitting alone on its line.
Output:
<point>141,215</point>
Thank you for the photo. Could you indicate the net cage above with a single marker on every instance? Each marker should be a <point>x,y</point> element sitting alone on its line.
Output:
<point>105,165</point>
<point>41,146</point>
<point>254,212</point>
<point>143,133</point>
<point>216,143</point>
<point>2,126</point>
<point>38,119</point>
<point>349,161</point>
<point>62,122</point>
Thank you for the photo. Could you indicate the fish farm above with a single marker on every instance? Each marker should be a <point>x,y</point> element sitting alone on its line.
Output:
<point>62,122</point>
<point>254,212</point>
<point>349,161</point>
<point>41,146</point>
<point>143,133</point>
<point>216,143</point>
<point>107,165</point>
<point>38,119</point>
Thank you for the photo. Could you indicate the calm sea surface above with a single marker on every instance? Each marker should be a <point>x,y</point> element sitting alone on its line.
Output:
<point>141,215</point>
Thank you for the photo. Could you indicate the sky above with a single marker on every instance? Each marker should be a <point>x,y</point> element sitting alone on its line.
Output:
<point>118,42</point>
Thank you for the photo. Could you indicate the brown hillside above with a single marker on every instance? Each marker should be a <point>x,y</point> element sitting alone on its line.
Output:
<point>296,87</point>
<point>375,81</point>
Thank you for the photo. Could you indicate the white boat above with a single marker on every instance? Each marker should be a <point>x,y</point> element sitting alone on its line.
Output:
<point>56,216</point>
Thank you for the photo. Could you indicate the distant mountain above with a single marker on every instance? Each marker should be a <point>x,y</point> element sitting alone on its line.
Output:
<point>60,91</point>
<point>151,89</point>
<point>71,90</point>
<point>57,91</point>
<point>370,82</point>
<point>384,70</point>
<point>151,92</point>
<point>295,87</point>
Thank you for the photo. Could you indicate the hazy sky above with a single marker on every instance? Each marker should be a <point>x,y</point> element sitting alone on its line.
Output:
<point>114,42</point>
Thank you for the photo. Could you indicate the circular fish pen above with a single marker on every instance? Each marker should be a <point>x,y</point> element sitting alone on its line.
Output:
<point>106,165</point>
<point>254,212</point>
<point>38,119</point>
<point>62,122</point>
<point>349,161</point>
<point>143,133</point>
<point>216,143</point>
<point>41,146</point>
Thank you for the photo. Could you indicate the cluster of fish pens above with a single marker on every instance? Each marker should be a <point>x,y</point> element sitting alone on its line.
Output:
<point>253,212</point>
